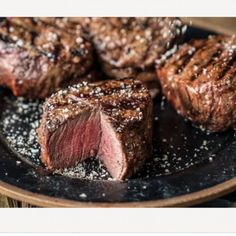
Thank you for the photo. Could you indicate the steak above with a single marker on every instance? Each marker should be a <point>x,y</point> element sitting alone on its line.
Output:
<point>36,57</point>
<point>127,46</point>
<point>110,120</point>
<point>199,80</point>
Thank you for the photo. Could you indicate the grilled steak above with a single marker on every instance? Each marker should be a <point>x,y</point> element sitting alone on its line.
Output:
<point>111,120</point>
<point>199,80</point>
<point>36,58</point>
<point>129,46</point>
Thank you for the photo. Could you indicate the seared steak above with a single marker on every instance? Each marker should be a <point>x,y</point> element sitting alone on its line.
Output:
<point>36,58</point>
<point>111,120</point>
<point>199,80</point>
<point>127,46</point>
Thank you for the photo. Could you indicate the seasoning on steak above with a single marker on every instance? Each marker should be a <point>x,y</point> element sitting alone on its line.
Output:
<point>110,119</point>
<point>36,58</point>
<point>127,46</point>
<point>199,80</point>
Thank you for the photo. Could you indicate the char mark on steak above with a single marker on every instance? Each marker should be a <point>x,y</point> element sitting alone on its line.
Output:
<point>127,46</point>
<point>110,119</point>
<point>37,58</point>
<point>199,80</point>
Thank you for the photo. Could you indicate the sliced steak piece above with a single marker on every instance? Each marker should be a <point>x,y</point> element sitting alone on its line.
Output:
<point>199,80</point>
<point>111,120</point>
<point>35,60</point>
<point>127,46</point>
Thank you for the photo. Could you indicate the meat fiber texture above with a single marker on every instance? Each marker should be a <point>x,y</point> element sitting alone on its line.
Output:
<point>110,120</point>
<point>199,80</point>
<point>36,57</point>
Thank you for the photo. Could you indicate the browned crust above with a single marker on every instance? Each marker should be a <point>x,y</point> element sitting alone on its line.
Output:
<point>128,45</point>
<point>199,81</point>
<point>126,103</point>
<point>43,138</point>
<point>40,57</point>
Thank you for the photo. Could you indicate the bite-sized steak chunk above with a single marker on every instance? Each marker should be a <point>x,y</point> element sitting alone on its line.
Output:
<point>36,58</point>
<point>199,80</point>
<point>111,120</point>
<point>127,46</point>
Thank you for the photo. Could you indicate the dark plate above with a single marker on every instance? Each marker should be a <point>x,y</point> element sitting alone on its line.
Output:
<point>188,165</point>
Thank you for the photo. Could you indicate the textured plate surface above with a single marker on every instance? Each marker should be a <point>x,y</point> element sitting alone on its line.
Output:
<point>188,165</point>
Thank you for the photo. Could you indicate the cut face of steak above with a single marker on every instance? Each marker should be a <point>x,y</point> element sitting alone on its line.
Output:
<point>36,57</point>
<point>199,80</point>
<point>111,120</point>
<point>127,46</point>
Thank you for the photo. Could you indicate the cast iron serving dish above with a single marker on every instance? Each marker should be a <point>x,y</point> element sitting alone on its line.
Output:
<point>188,166</point>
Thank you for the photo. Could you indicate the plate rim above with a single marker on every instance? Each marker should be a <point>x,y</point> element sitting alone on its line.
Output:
<point>185,200</point>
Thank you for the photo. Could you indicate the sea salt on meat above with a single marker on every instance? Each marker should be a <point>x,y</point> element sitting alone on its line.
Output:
<point>111,120</point>
<point>129,46</point>
<point>37,58</point>
<point>199,81</point>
